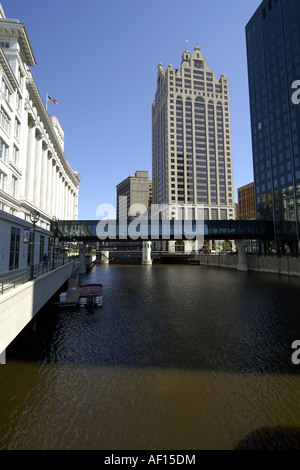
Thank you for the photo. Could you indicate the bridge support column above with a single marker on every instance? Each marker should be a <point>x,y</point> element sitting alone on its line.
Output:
<point>242,262</point>
<point>104,257</point>
<point>146,253</point>
<point>82,267</point>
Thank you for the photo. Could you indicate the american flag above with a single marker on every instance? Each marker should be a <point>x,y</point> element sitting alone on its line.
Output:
<point>51,100</point>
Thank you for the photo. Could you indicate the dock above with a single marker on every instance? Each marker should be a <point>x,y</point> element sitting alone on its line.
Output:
<point>70,298</point>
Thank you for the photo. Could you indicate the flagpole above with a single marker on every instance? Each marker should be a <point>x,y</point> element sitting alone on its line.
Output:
<point>47,101</point>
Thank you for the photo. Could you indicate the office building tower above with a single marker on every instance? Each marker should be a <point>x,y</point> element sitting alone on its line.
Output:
<point>191,139</point>
<point>246,202</point>
<point>138,192</point>
<point>273,51</point>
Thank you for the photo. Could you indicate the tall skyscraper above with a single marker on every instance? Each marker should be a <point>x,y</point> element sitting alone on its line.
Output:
<point>273,50</point>
<point>191,138</point>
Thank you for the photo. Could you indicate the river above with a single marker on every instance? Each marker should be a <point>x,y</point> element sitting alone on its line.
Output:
<point>177,358</point>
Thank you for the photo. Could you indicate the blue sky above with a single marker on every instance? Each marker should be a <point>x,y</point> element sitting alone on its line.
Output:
<point>99,60</point>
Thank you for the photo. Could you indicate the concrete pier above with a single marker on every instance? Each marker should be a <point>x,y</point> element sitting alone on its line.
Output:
<point>242,260</point>
<point>146,257</point>
<point>105,257</point>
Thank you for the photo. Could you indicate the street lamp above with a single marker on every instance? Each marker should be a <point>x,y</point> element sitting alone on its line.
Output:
<point>54,228</point>
<point>34,217</point>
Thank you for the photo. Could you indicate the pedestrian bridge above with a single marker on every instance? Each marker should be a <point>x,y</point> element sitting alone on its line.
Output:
<point>99,230</point>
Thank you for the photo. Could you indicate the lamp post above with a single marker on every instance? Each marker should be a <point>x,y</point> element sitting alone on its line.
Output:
<point>54,228</point>
<point>34,217</point>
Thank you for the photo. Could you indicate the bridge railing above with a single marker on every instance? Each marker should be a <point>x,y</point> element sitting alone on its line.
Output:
<point>11,279</point>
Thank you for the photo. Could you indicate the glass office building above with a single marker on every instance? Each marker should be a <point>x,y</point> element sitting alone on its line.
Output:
<point>273,51</point>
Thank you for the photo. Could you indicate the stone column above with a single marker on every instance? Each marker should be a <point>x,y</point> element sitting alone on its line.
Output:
<point>72,204</point>
<point>49,185</point>
<point>54,189</point>
<point>45,176</point>
<point>29,185</point>
<point>242,262</point>
<point>68,203</point>
<point>38,170</point>
<point>62,199</point>
<point>59,193</point>
<point>82,267</point>
<point>53,199</point>
<point>63,209</point>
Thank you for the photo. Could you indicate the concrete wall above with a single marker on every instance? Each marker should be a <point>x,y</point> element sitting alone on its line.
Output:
<point>20,305</point>
<point>228,261</point>
<point>285,265</point>
<point>275,264</point>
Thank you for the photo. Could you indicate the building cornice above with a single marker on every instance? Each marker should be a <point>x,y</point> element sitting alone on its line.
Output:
<point>13,27</point>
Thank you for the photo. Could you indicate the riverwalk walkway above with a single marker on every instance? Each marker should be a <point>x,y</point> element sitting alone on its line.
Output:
<point>23,300</point>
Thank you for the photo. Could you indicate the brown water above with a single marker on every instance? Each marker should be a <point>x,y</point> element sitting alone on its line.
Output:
<point>178,358</point>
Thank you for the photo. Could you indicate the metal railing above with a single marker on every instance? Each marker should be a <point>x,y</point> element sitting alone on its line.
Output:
<point>11,279</point>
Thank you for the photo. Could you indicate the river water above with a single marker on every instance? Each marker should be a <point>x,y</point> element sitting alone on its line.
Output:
<point>178,358</point>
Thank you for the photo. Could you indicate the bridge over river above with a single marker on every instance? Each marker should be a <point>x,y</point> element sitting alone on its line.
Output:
<point>148,230</point>
<point>99,230</point>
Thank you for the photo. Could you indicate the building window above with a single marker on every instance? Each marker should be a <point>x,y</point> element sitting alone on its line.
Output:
<point>19,102</point>
<point>5,91</point>
<point>214,214</point>
<point>2,180</point>
<point>198,64</point>
<point>14,187</point>
<point>15,155</point>
<point>223,214</point>
<point>4,121</point>
<point>14,248</point>
<point>3,151</point>
<point>20,78</point>
<point>17,129</point>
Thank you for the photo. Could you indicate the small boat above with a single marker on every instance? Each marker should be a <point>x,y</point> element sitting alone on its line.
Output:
<point>90,295</point>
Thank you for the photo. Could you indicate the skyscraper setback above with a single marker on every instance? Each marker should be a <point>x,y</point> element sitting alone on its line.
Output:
<point>191,138</point>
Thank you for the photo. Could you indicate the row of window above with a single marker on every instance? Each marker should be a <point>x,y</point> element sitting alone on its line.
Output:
<point>5,124</point>
<point>4,153</point>
<point>14,184</point>
<point>7,95</point>
<point>197,85</point>
<point>198,72</point>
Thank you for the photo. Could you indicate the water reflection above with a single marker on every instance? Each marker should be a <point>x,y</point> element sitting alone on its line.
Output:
<point>177,358</point>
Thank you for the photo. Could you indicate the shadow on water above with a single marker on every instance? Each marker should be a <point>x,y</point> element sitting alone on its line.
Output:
<point>277,438</point>
<point>173,317</point>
